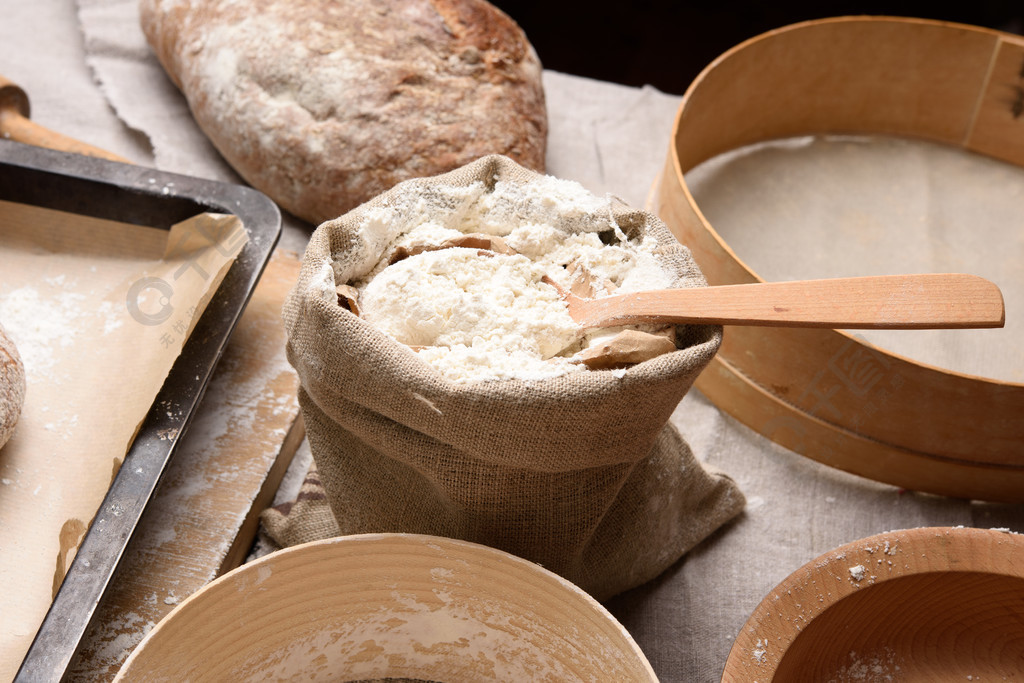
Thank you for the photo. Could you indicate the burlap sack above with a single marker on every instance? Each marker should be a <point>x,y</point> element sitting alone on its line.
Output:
<point>581,473</point>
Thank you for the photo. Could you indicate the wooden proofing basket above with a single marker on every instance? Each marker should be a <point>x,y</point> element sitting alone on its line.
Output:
<point>388,606</point>
<point>942,432</point>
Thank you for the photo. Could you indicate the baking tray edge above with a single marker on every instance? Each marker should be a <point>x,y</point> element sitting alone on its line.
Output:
<point>142,196</point>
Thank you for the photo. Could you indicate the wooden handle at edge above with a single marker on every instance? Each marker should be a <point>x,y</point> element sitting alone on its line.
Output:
<point>15,125</point>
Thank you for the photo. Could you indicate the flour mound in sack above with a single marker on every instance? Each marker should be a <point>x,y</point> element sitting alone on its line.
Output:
<point>480,314</point>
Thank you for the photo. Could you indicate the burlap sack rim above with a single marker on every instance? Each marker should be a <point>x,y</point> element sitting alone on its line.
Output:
<point>331,315</point>
<point>499,167</point>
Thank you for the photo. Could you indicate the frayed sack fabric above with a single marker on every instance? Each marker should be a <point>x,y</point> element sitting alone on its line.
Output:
<point>581,473</point>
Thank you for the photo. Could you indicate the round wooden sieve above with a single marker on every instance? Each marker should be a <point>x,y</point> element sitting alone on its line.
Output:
<point>824,393</point>
<point>388,606</point>
<point>924,604</point>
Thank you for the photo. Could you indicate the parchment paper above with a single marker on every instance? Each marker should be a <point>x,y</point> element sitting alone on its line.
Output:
<point>99,311</point>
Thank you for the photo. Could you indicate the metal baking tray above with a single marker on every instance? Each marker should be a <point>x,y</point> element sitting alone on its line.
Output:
<point>145,197</point>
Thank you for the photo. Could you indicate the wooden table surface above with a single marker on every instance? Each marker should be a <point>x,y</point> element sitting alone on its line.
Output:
<point>205,513</point>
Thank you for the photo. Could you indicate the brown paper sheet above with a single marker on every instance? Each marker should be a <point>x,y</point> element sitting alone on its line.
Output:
<point>99,311</point>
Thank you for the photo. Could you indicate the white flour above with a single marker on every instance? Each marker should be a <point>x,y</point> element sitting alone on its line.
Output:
<point>481,315</point>
<point>39,322</point>
<point>882,665</point>
<point>46,318</point>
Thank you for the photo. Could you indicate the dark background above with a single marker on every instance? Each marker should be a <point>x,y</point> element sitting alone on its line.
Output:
<point>666,44</point>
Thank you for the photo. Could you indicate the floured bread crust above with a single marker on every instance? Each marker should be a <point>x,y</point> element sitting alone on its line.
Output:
<point>12,386</point>
<point>323,105</point>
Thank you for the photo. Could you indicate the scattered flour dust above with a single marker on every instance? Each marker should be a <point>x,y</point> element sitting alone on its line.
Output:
<point>111,641</point>
<point>38,322</point>
<point>45,318</point>
<point>760,651</point>
<point>858,572</point>
<point>876,667</point>
<point>482,315</point>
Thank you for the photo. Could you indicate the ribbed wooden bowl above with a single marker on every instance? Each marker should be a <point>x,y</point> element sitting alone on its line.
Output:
<point>825,393</point>
<point>929,604</point>
<point>388,606</point>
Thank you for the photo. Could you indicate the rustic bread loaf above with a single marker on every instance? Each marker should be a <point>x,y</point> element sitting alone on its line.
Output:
<point>12,386</point>
<point>323,104</point>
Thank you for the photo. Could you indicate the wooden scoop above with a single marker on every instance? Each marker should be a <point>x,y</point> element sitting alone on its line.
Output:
<point>15,125</point>
<point>928,301</point>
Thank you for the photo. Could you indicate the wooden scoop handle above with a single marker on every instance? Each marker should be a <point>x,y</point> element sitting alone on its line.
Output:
<point>15,125</point>
<point>928,301</point>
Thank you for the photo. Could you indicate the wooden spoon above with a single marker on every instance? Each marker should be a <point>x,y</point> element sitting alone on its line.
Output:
<point>927,301</point>
<point>15,125</point>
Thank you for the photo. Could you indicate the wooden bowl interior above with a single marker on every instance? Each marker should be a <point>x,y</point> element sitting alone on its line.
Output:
<point>929,604</point>
<point>388,606</point>
<point>924,627</point>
